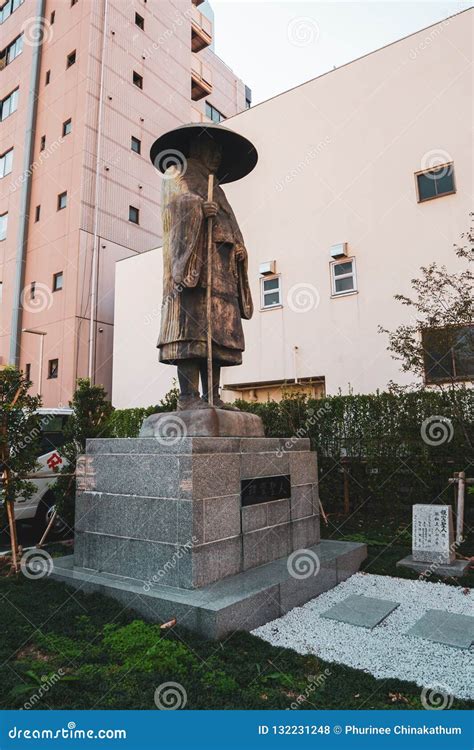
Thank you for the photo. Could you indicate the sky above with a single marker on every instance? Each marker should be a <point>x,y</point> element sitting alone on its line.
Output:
<point>274,46</point>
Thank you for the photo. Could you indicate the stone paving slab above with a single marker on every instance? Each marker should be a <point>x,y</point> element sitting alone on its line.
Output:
<point>363,611</point>
<point>445,627</point>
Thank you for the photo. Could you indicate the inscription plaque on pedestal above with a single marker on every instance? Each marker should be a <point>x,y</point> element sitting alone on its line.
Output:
<point>433,536</point>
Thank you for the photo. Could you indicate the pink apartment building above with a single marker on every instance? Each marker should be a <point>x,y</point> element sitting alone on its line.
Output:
<point>85,88</point>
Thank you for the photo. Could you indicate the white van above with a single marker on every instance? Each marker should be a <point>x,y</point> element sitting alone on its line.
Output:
<point>40,506</point>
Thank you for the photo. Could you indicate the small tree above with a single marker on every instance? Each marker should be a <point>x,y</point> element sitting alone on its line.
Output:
<point>90,418</point>
<point>20,435</point>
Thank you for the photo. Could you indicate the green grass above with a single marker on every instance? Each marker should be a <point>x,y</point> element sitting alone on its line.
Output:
<point>109,658</point>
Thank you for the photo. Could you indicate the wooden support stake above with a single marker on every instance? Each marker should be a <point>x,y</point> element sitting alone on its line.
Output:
<point>210,384</point>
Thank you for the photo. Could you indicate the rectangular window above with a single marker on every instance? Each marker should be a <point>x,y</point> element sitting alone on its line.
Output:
<point>8,8</point>
<point>73,2</point>
<point>3,226</point>
<point>9,105</point>
<point>213,114</point>
<point>136,145</point>
<point>47,77</point>
<point>435,182</point>
<point>28,371</point>
<point>62,200</point>
<point>139,21</point>
<point>71,59</point>
<point>8,54</point>
<point>53,367</point>
<point>67,127</point>
<point>6,163</point>
<point>32,289</point>
<point>52,17</point>
<point>58,281</point>
<point>43,143</point>
<point>270,291</point>
<point>448,353</point>
<point>343,277</point>
<point>37,213</point>
<point>138,80</point>
<point>133,215</point>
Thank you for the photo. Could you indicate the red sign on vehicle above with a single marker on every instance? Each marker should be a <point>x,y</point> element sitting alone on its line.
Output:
<point>54,460</point>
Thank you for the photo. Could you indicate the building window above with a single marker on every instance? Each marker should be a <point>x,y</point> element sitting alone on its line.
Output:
<point>62,200</point>
<point>139,21</point>
<point>8,54</point>
<point>6,163</point>
<point>47,77</point>
<point>71,59</point>
<point>43,143</point>
<point>67,127</point>
<point>32,289</point>
<point>343,277</point>
<point>7,9</point>
<point>270,291</point>
<point>9,105</point>
<point>138,80</point>
<point>53,367</point>
<point>73,2</point>
<point>52,17</point>
<point>28,371</point>
<point>435,182</point>
<point>133,215</point>
<point>58,281</point>
<point>136,145</point>
<point>3,226</point>
<point>213,114</point>
<point>448,353</point>
<point>37,213</point>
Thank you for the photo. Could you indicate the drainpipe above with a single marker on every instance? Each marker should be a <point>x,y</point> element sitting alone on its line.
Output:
<point>96,239</point>
<point>19,279</point>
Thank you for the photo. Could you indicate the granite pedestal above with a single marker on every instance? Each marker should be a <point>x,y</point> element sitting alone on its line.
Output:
<point>184,523</point>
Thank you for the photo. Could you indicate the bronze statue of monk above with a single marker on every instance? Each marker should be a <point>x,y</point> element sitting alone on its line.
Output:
<point>185,210</point>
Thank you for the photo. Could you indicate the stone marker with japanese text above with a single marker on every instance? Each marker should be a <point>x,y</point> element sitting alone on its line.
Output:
<point>433,536</point>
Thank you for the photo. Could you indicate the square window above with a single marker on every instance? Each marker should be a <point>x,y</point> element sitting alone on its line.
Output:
<point>3,226</point>
<point>58,281</point>
<point>6,163</point>
<point>8,105</point>
<point>37,213</point>
<point>436,182</point>
<point>62,201</point>
<point>71,59</point>
<point>53,367</point>
<point>136,145</point>
<point>67,127</point>
<point>270,291</point>
<point>47,77</point>
<point>43,143</point>
<point>448,354</point>
<point>139,21</point>
<point>138,80</point>
<point>343,277</point>
<point>133,215</point>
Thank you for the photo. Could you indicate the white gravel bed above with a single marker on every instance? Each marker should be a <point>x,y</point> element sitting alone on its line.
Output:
<point>386,651</point>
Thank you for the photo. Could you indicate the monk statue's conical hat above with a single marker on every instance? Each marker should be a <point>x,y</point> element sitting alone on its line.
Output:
<point>239,156</point>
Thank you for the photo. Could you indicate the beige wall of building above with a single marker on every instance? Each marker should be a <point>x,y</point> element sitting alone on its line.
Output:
<point>337,163</point>
<point>93,163</point>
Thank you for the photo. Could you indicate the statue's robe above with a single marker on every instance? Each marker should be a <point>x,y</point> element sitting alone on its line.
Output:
<point>183,332</point>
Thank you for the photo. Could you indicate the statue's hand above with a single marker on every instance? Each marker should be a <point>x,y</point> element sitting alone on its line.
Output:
<point>240,253</point>
<point>210,209</point>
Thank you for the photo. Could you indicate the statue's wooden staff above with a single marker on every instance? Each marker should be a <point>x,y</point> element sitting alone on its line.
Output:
<point>210,384</point>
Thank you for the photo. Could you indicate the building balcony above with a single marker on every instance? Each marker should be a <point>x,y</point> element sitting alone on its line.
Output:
<point>201,30</point>
<point>201,79</point>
